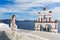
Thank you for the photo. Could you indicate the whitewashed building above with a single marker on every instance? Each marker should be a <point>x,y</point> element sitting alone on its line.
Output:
<point>44,22</point>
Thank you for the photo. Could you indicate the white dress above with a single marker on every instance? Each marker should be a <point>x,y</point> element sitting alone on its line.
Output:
<point>13,28</point>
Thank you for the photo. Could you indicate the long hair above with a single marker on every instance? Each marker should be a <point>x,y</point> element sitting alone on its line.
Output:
<point>12,17</point>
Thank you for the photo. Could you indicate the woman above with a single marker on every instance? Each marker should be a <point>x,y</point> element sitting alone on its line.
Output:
<point>13,25</point>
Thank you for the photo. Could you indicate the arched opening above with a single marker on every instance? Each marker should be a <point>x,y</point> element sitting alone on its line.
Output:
<point>48,28</point>
<point>41,28</point>
<point>37,27</point>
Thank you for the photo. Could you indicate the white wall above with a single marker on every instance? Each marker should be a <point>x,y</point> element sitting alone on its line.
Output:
<point>45,25</point>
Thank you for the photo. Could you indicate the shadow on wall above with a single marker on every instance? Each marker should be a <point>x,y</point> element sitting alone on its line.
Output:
<point>58,26</point>
<point>3,36</point>
<point>47,28</point>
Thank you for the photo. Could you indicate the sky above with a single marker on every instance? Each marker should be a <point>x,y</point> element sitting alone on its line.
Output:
<point>28,9</point>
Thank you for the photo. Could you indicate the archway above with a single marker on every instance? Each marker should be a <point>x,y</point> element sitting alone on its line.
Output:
<point>48,28</point>
<point>37,28</point>
<point>41,28</point>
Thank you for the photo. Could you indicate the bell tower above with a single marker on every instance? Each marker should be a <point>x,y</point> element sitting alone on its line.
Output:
<point>48,15</point>
<point>44,12</point>
<point>40,16</point>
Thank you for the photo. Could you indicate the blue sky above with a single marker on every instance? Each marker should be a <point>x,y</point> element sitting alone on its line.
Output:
<point>28,9</point>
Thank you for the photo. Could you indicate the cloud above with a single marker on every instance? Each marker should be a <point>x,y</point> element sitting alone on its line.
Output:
<point>56,10</point>
<point>32,7</point>
<point>2,10</point>
<point>23,5</point>
<point>18,7</point>
<point>55,0</point>
<point>56,13</point>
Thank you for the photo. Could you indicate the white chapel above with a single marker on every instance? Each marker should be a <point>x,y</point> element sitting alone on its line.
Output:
<point>45,23</point>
